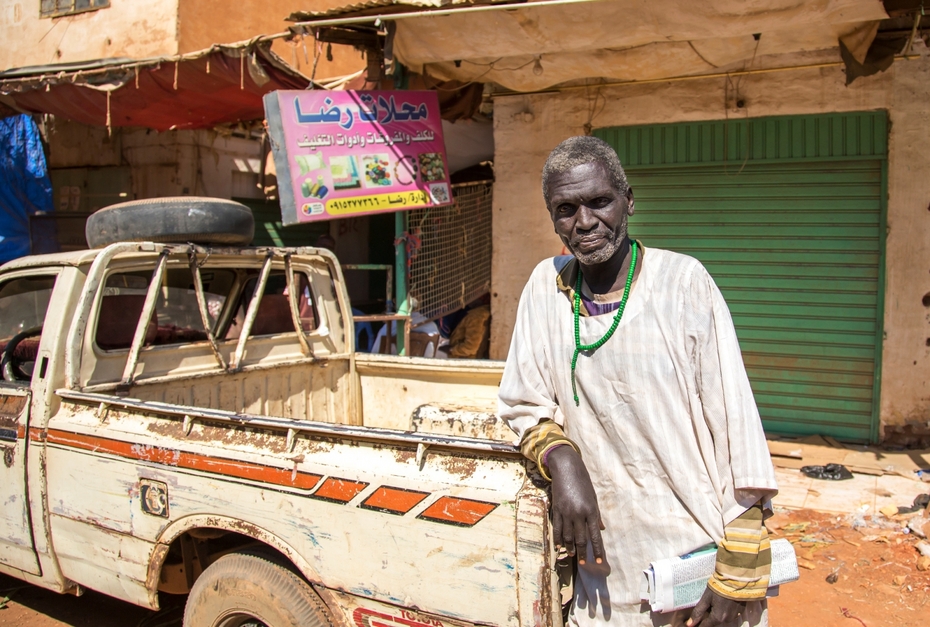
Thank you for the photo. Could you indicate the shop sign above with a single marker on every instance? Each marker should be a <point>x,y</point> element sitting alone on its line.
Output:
<point>343,154</point>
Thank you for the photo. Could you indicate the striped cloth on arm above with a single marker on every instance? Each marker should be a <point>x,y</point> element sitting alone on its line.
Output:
<point>541,438</point>
<point>744,558</point>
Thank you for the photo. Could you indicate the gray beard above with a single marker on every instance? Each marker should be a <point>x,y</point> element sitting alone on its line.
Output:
<point>614,243</point>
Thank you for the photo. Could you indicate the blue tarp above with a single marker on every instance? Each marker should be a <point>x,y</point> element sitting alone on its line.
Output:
<point>25,187</point>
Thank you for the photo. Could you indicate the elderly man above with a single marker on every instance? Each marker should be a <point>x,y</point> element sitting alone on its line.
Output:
<point>626,385</point>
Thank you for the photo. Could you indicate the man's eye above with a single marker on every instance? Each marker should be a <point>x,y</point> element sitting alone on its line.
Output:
<point>600,202</point>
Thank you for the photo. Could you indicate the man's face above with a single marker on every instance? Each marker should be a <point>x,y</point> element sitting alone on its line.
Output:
<point>588,214</point>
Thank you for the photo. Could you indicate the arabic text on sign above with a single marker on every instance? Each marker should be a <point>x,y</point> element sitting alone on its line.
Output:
<point>374,202</point>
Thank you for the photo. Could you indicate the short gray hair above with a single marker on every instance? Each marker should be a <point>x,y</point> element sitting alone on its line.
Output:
<point>581,150</point>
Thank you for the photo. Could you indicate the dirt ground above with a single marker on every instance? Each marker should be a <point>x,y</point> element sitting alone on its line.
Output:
<point>871,562</point>
<point>30,606</point>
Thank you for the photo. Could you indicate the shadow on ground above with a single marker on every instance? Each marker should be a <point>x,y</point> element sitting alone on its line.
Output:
<point>32,606</point>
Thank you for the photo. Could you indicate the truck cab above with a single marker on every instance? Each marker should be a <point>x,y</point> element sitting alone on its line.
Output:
<point>189,419</point>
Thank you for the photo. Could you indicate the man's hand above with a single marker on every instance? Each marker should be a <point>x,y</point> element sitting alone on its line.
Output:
<point>575,515</point>
<point>714,609</point>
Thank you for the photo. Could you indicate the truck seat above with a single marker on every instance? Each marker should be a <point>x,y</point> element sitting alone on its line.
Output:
<point>27,350</point>
<point>116,322</point>
<point>274,316</point>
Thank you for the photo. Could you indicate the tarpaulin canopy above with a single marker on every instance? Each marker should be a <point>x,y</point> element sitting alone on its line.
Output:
<point>534,45</point>
<point>25,187</point>
<point>220,85</point>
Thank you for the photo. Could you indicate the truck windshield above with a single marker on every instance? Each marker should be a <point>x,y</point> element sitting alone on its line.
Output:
<point>23,303</point>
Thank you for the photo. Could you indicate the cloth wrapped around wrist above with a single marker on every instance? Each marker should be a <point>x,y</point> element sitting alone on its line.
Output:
<point>538,440</point>
<point>744,558</point>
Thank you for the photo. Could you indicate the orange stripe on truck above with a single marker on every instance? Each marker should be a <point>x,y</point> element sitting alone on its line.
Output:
<point>182,459</point>
<point>449,510</point>
<point>339,490</point>
<point>457,511</point>
<point>394,500</point>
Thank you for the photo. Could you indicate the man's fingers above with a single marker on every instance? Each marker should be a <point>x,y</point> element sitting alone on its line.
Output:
<point>557,528</point>
<point>700,610</point>
<point>581,541</point>
<point>567,536</point>
<point>597,543</point>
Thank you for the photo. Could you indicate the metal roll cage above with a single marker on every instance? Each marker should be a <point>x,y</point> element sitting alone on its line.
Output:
<point>97,273</point>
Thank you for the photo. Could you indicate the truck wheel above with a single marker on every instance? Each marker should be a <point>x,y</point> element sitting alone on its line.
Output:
<point>249,590</point>
<point>180,220</point>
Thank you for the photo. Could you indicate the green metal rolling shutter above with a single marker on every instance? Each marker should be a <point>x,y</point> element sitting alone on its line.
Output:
<point>787,214</point>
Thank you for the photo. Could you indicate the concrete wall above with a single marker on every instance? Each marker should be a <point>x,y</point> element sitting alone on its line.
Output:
<point>203,23</point>
<point>135,29</point>
<point>528,127</point>
<point>175,163</point>
<point>127,28</point>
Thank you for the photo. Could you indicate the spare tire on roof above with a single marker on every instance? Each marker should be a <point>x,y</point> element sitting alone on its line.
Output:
<point>179,219</point>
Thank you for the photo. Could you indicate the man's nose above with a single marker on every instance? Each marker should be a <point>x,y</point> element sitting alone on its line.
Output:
<point>584,219</point>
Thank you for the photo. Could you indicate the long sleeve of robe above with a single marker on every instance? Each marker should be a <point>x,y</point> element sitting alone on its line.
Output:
<point>667,424</point>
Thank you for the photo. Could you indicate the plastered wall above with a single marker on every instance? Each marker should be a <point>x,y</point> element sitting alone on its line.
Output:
<point>174,163</point>
<point>125,29</point>
<point>135,29</point>
<point>204,23</point>
<point>528,127</point>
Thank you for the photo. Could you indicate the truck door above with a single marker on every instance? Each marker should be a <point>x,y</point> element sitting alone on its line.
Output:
<point>23,304</point>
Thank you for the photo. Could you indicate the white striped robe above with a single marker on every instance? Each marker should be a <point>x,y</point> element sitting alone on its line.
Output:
<point>667,424</point>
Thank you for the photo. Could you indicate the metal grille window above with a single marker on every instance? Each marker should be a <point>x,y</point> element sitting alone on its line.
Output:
<point>56,8</point>
<point>451,266</point>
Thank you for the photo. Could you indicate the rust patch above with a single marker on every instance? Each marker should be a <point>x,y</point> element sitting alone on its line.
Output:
<point>459,420</point>
<point>405,456</point>
<point>171,429</point>
<point>461,466</point>
<point>221,435</point>
<point>543,611</point>
<point>12,405</point>
<point>153,576</point>
<point>337,618</point>
<point>316,446</point>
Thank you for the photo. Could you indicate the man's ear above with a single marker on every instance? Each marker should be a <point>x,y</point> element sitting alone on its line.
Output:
<point>630,205</point>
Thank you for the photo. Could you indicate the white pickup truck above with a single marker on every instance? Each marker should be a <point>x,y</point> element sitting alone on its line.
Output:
<point>184,419</point>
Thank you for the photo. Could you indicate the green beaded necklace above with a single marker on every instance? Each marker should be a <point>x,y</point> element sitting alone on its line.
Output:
<point>579,347</point>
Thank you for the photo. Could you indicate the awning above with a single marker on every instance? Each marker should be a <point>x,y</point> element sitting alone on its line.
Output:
<point>221,85</point>
<point>538,44</point>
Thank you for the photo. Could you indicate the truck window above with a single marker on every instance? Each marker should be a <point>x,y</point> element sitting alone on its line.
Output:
<point>274,313</point>
<point>176,319</point>
<point>23,304</point>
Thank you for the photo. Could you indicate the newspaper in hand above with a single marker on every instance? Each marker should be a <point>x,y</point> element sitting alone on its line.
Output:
<point>678,582</point>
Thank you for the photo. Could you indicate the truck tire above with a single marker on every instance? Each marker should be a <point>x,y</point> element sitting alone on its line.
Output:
<point>251,590</point>
<point>172,220</point>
